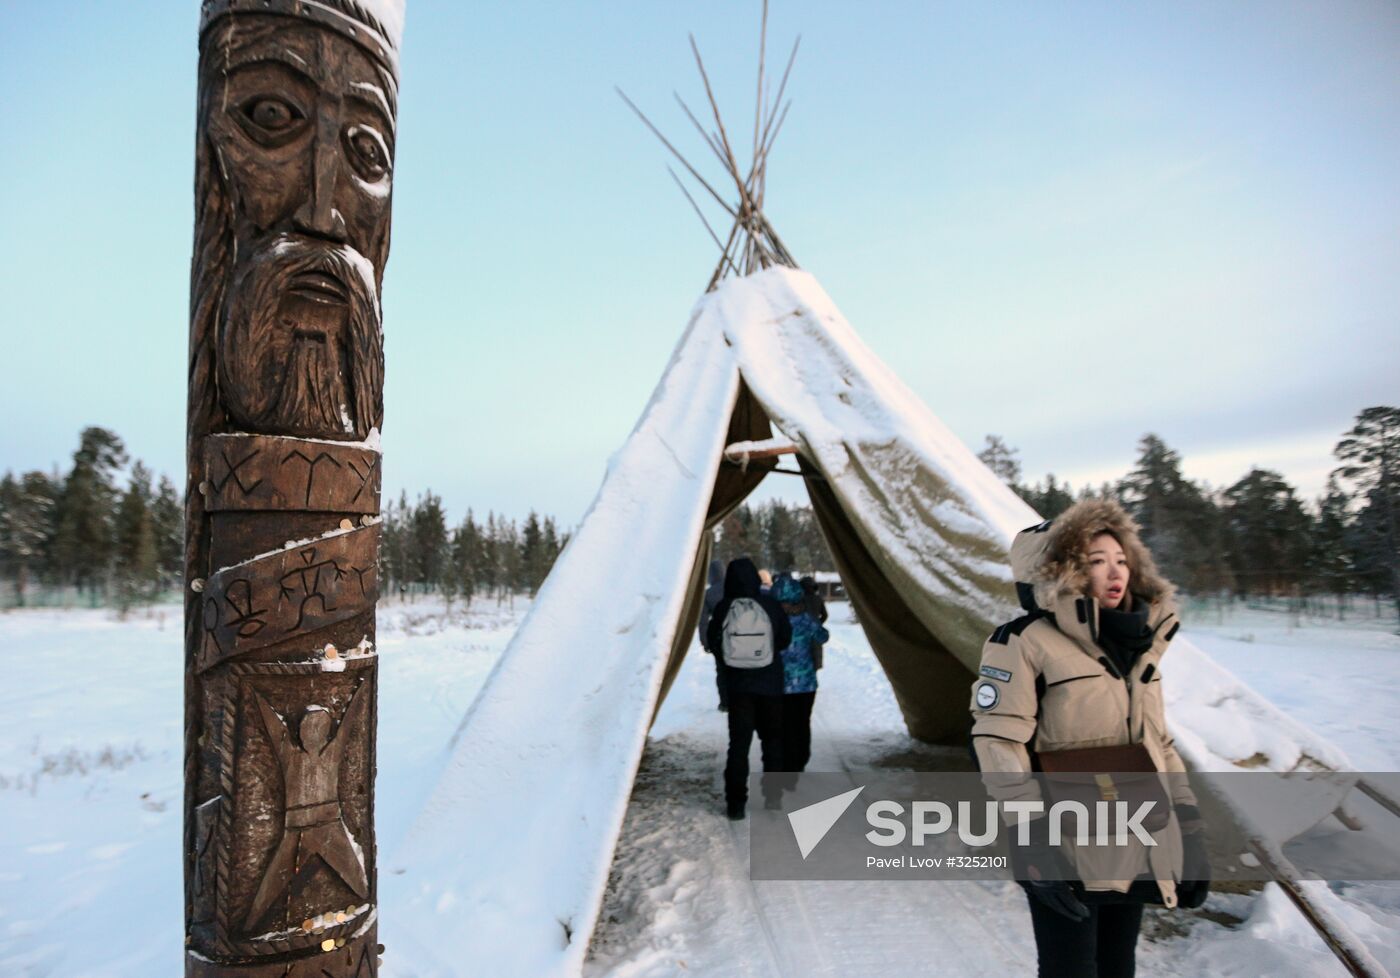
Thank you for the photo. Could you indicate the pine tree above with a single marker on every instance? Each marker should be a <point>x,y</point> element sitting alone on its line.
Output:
<point>1366,543</point>
<point>168,523</point>
<point>1331,562</point>
<point>137,567</point>
<point>26,527</point>
<point>467,557</point>
<point>450,582</point>
<point>809,548</point>
<point>393,544</point>
<point>510,568</point>
<point>1205,530</point>
<point>779,525</point>
<point>489,573</point>
<point>1175,514</point>
<point>553,546</point>
<point>427,540</point>
<point>1268,531</point>
<point>1050,501</point>
<point>1152,490</point>
<point>1001,458</point>
<point>83,544</point>
<point>1370,457</point>
<point>773,535</point>
<point>9,517</point>
<point>532,554</point>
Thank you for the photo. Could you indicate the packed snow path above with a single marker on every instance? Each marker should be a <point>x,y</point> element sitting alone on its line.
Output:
<point>683,865</point>
<point>685,868</point>
<point>680,901</point>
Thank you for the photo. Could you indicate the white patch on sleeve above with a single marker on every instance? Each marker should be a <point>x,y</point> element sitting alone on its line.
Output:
<point>987,696</point>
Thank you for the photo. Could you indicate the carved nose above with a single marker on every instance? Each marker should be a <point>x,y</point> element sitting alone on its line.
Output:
<point>322,221</point>
<point>319,216</point>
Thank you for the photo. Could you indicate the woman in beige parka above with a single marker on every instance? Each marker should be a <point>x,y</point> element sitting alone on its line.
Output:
<point>1082,669</point>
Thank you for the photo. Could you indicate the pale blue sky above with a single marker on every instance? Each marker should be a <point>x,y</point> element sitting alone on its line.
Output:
<point>1066,223</point>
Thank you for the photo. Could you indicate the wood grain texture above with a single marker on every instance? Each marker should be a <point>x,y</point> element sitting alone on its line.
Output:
<point>293,184</point>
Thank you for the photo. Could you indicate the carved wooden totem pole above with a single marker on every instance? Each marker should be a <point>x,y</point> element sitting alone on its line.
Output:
<point>297,107</point>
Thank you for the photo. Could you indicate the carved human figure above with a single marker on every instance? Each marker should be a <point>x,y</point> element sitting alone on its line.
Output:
<point>312,822</point>
<point>298,128</point>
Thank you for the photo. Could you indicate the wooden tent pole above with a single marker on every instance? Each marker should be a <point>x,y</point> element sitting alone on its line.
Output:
<point>676,153</point>
<point>1379,796</point>
<point>751,232</point>
<point>701,214</point>
<point>710,140</point>
<point>758,97</point>
<point>1339,938</point>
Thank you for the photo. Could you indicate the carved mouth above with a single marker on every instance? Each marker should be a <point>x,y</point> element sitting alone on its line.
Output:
<point>319,287</point>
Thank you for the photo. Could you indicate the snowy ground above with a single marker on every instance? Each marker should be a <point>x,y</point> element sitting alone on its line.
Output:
<point>90,792</point>
<point>1340,678</point>
<point>90,808</point>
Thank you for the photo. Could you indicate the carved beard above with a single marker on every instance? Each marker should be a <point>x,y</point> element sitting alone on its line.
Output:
<point>300,346</point>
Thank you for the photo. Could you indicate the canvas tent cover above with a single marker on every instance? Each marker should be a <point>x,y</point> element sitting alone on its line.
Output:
<point>521,829</point>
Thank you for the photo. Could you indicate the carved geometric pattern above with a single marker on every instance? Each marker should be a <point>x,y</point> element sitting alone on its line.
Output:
<point>270,472</point>
<point>268,599</point>
<point>357,958</point>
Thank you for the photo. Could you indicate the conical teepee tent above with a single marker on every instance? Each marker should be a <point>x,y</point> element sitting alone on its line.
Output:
<point>520,831</point>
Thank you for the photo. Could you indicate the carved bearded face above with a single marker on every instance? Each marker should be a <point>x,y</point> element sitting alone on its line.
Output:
<point>300,122</point>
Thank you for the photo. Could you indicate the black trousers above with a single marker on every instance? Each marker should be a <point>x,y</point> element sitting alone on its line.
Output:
<point>750,713</point>
<point>797,730</point>
<point>1104,946</point>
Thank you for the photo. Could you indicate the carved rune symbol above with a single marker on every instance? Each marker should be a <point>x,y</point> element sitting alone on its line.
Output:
<point>239,597</point>
<point>311,464</point>
<point>360,573</point>
<point>312,825</point>
<point>365,969</point>
<point>232,473</point>
<point>308,581</point>
<point>369,468</point>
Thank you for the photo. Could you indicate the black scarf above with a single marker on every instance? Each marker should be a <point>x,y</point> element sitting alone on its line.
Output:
<point>1124,635</point>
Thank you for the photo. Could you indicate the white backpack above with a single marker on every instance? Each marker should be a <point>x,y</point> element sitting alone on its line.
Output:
<point>748,635</point>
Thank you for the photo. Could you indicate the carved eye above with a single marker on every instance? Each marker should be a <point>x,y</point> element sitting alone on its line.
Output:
<point>367,149</point>
<point>274,115</point>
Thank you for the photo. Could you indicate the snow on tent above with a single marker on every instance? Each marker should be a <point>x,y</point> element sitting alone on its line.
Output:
<point>510,856</point>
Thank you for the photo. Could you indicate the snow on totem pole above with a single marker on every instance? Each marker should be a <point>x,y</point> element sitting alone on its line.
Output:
<point>293,173</point>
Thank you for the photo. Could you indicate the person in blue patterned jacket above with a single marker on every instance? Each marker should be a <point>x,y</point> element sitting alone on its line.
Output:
<point>799,672</point>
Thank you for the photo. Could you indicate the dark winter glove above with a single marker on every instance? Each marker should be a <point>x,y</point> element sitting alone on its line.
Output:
<point>1041,869</point>
<point>1195,872</point>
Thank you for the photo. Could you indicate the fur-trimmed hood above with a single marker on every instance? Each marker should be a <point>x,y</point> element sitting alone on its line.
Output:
<point>1050,560</point>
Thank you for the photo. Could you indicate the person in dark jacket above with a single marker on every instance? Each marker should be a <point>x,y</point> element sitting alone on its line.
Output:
<point>755,696</point>
<point>799,672</point>
<point>713,593</point>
